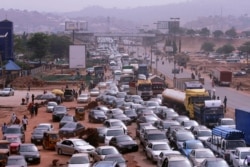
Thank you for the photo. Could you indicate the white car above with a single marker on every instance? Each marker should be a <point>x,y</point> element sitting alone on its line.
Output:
<point>163,155</point>
<point>79,160</point>
<point>153,149</point>
<point>7,92</point>
<point>50,106</point>
<point>238,156</point>
<point>94,92</point>
<point>84,98</point>
<point>102,85</point>
<point>198,155</point>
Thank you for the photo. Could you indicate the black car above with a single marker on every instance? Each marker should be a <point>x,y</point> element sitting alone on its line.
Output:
<point>131,114</point>
<point>66,119</point>
<point>71,129</point>
<point>124,144</point>
<point>97,116</point>
<point>30,153</point>
<point>58,113</point>
<point>37,136</point>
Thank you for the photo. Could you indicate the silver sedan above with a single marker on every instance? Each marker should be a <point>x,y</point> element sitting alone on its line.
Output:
<point>84,98</point>
<point>72,146</point>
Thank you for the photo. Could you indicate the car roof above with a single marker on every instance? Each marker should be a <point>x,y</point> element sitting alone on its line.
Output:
<point>104,147</point>
<point>243,148</point>
<point>176,157</point>
<point>80,155</point>
<point>158,142</point>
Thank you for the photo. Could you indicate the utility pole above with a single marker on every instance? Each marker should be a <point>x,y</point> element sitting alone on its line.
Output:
<point>173,30</point>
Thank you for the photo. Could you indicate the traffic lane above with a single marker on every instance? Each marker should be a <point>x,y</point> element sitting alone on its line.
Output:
<point>236,99</point>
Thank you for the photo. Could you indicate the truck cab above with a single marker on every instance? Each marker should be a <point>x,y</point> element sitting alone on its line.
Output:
<point>238,156</point>
<point>225,140</point>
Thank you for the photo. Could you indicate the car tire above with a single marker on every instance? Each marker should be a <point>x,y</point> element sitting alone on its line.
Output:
<point>59,151</point>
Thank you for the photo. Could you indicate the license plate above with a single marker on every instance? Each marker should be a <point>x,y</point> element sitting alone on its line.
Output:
<point>38,140</point>
<point>129,147</point>
<point>30,159</point>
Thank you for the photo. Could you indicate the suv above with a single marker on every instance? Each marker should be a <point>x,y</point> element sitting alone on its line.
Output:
<point>16,130</point>
<point>58,113</point>
<point>68,94</point>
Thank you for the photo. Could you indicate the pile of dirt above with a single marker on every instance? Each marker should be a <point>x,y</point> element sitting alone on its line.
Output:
<point>25,81</point>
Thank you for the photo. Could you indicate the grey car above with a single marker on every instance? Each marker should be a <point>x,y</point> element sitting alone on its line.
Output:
<point>72,146</point>
<point>58,113</point>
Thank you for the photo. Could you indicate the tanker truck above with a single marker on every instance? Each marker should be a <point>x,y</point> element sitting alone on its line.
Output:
<point>186,103</point>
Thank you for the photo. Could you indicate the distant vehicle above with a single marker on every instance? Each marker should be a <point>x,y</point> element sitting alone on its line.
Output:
<point>71,129</point>
<point>7,92</point>
<point>15,130</point>
<point>90,70</point>
<point>58,113</point>
<point>50,106</point>
<point>94,92</point>
<point>84,98</point>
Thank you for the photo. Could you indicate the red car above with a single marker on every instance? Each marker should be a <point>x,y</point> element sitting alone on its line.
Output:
<point>15,142</point>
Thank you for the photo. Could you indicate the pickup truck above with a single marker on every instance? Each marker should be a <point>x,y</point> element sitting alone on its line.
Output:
<point>238,156</point>
<point>224,141</point>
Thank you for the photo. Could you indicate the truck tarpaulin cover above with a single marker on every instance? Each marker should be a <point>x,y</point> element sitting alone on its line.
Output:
<point>228,133</point>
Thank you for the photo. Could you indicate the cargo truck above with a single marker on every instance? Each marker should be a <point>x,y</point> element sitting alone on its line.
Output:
<point>224,141</point>
<point>142,88</point>
<point>184,102</point>
<point>187,83</point>
<point>242,120</point>
<point>209,113</point>
<point>222,76</point>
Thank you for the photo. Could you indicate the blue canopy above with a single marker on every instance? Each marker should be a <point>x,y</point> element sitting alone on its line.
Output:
<point>11,66</point>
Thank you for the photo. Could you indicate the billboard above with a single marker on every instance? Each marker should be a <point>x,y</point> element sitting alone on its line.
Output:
<point>76,25</point>
<point>77,56</point>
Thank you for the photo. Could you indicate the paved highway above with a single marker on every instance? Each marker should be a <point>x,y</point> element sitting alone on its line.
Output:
<point>235,99</point>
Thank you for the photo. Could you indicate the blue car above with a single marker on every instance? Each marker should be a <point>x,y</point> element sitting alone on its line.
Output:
<point>189,145</point>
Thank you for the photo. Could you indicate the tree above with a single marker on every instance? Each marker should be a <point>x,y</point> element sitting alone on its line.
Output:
<point>59,46</point>
<point>226,49</point>
<point>218,33</point>
<point>38,43</point>
<point>190,32</point>
<point>245,48</point>
<point>207,47</point>
<point>205,32</point>
<point>231,33</point>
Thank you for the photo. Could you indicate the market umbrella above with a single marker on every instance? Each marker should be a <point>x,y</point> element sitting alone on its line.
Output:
<point>57,92</point>
<point>47,96</point>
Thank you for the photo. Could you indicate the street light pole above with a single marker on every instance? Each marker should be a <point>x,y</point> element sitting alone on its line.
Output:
<point>174,45</point>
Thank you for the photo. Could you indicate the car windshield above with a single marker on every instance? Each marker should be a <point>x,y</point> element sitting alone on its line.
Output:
<point>155,136</point>
<point>228,122</point>
<point>180,163</point>
<point>190,123</point>
<point>79,160</point>
<point>194,145</point>
<point>204,154</point>
<point>109,151</point>
<point>116,123</point>
<point>38,131</point>
<point>129,112</point>
<point>52,104</point>
<point>123,138</point>
<point>244,154</point>
<point>231,145</point>
<point>60,109</point>
<point>117,159</point>
<point>28,148</point>
<point>184,136</point>
<point>12,130</point>
<point>115,132</point>
<point>84,95</point>
<point>16,161</point>
<point>70,125</point>
<point>80,143</point>
<point>204,133</point>
<point>67,118</point>
<point>161,147</point>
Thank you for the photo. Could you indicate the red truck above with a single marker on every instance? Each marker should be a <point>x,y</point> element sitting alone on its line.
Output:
<point>222,76</point>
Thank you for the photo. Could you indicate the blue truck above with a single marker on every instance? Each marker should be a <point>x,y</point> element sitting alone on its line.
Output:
<point>225,140</point>
<point>242,120</point>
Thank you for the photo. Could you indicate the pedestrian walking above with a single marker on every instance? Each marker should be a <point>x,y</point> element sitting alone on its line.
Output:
<point>36,109</point>
<point>27,97</point>
<point>32,98</point>
<point>13,118</point>
<point>4,127</point>
<point>25,122</point>
<point>225,103</point>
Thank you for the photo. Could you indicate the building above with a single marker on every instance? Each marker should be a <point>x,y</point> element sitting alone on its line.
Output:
<point>6,40</point>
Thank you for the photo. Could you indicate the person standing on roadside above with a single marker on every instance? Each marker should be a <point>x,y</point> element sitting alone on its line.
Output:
<point>225,103</point>
<point>32,98</point>
<point>27,97</point>
<point>25,122</point>
<point>4,127</point>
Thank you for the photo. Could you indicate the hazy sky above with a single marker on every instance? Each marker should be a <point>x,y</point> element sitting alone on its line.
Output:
<point>73,5</point>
